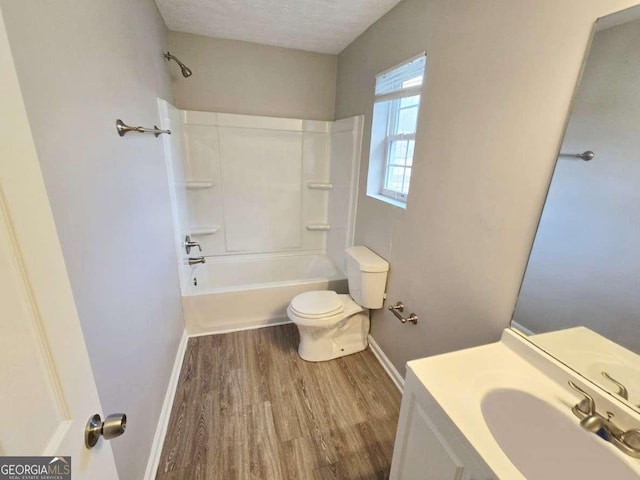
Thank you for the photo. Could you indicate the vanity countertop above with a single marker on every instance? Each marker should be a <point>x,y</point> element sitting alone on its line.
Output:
<point>459,381</point>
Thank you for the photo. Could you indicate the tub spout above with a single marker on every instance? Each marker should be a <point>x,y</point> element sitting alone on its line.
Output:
<point>196,260</point>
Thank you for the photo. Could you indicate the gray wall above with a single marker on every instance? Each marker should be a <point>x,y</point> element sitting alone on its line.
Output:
<point>585,264</point>
<point>81,65</point>
<point>251,79</point>
<point>500,77</point>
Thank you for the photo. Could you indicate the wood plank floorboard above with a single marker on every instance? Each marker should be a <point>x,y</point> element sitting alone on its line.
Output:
<point>248,407</point>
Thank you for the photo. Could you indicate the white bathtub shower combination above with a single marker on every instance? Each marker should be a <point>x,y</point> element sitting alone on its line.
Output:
<point>229,293</point>
<point>271,201</point>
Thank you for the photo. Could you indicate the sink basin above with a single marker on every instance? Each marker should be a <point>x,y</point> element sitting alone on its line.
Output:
<point>545,443</point>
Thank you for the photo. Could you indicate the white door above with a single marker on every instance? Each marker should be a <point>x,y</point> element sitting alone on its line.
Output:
<point>47,389</point>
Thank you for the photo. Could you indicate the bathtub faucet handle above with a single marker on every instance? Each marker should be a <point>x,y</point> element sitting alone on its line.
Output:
<point>188,244</point>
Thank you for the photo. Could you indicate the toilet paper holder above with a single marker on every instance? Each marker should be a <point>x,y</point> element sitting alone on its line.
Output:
<point>397,310</point>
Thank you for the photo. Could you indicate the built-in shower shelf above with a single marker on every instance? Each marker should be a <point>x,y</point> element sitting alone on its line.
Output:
<point>319,186</point>
<point>197,184</point>
<point>210,230</point>
<point>318,227</point>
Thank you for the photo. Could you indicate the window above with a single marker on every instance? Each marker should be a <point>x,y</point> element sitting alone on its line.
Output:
<point>393,132</point>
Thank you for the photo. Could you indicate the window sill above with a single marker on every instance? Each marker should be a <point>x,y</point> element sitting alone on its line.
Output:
<point>391,201</point>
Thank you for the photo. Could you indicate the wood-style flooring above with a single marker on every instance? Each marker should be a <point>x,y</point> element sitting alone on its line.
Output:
<point>248,407</point>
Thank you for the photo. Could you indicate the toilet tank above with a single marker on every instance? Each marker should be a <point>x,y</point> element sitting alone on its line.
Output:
<point>367,276</point>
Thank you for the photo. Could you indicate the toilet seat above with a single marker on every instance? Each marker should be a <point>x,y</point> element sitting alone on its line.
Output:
<point>345,309</point>
<point>317,304</point>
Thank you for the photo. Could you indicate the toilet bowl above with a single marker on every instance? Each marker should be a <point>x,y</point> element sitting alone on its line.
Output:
<point>330,325</point>
<point>333,325</point>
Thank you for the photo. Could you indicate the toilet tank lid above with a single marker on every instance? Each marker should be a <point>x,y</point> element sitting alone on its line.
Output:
<point>368,261</point>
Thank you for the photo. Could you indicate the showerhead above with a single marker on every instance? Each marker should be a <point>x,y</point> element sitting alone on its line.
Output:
<point>186,71</point>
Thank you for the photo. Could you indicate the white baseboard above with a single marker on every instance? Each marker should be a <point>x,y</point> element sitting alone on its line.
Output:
<point>165,413</point>
<point>386,364</point>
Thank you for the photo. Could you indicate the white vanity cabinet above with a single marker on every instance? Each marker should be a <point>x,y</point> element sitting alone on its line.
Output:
<point>428,445</point>
<point>473,415</point>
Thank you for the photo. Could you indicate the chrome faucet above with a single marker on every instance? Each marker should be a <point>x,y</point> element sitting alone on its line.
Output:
<point>196,260</point>
<point>628,442</point>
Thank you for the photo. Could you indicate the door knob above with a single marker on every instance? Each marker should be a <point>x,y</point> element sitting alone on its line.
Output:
<point>113,426</point>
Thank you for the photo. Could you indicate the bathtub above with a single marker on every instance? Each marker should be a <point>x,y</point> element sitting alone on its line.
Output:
<point>247,291</point>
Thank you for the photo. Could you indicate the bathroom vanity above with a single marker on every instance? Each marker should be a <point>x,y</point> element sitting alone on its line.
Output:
<point>503,411</point>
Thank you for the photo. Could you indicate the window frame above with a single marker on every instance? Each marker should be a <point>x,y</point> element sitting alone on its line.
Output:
<point>393,117</point>
<point>394,98</point>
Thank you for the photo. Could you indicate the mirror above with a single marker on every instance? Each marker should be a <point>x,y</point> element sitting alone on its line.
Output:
<point>580,297</point>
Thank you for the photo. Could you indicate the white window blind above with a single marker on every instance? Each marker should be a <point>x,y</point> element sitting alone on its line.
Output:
<point>401,81</point>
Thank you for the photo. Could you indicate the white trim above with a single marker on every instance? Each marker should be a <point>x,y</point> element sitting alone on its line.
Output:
<point>163,421</point>
<point>393,195</point>
<point>389,200</point>
<point>253,326</point>
<point>386,364</point>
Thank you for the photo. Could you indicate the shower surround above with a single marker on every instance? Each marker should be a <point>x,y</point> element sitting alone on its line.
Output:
<point>270,200</point>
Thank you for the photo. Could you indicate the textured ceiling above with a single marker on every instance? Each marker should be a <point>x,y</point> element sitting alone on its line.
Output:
<point>325,26</point>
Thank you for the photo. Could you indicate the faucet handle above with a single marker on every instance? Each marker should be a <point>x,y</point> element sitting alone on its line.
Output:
<point>587,402</point>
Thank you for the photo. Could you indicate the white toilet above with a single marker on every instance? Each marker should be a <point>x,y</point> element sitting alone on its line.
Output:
<point>333,325</point>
